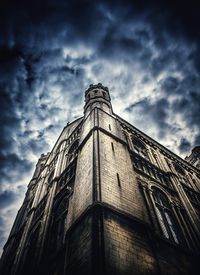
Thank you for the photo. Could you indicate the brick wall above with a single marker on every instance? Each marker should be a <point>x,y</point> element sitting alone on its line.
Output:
<point>80,248</point>
<point>127,251</point>
<point>124,195</point>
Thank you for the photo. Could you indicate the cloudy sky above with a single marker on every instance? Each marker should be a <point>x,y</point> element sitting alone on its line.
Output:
<point>146,52</point>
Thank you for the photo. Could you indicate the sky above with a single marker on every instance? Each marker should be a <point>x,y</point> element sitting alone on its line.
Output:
<point>146,52</point>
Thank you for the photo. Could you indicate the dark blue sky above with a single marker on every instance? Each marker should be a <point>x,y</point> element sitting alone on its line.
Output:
<point>146,52</point>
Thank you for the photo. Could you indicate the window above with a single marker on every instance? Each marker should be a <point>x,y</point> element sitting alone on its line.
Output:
<point>165,215</point>
<point>151,170</point>
<point>59,221</point>
<point>50,178</point>
<point>126,137</point>
<point>139,148</point>
<point>179,169</point>
<point>155,157</point>
<point>72,153</point>
<point>193,196</point>
<point>31,251</point>
<point>40,209</point>
<point>67,177</point>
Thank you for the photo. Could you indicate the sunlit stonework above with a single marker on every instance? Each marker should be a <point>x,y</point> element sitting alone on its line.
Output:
<point>107,199</point>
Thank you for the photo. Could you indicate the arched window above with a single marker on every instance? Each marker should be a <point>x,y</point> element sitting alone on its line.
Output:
<point>59,221</point>
<point>126,136</point>
<point>72,153</point>
<point>179,169</point>
<point>182,175</point>
<point>31,251</point>
<point>50,178</point>
<point>139,148</point>
<point>165,215</point>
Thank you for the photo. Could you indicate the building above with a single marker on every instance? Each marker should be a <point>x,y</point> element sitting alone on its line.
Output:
<point>107,199</point>
<point>194,157</point>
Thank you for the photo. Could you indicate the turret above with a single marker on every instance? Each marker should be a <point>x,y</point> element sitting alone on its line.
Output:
<point>97,96</point>
<point>194,157</point>
<point>40,164</point>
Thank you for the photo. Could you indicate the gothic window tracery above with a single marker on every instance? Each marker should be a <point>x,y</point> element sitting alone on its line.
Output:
<point>72,152</point>
<point>193,196</point>
<point>50,178</point>
<point>165,215</point>
<point>139,148</point>
<point>126,136</point>
<point>59,220</point>
<point>181,173</point>
<point>31,250</point>
<point>68,176</point>
<point>40,209</point>
<point>151,170</point>
<point>52,164</point>
<point>155,158</point>
<point>179,169</point>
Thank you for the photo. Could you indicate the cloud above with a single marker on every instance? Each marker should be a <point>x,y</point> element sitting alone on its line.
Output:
<point>184,145</point>
<point>6,198</point>
<point>146,52</point>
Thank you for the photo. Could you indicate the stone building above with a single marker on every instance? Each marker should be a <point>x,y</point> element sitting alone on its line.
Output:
<point>107,199</point>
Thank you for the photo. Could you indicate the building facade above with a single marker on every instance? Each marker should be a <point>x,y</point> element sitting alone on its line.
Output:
<point>107,199</point>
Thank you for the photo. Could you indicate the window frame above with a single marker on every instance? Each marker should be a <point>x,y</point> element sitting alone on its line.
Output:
<point>165,216</point>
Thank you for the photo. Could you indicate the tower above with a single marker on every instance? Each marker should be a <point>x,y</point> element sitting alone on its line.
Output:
<point>107,199</point>
<point>194,157</point>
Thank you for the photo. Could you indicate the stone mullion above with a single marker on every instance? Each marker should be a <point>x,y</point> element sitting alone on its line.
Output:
<point>190,209</point>
<point>46,218</point>
<point>180,223</point>
<point>162,161</point>
<point>185,228</point>
<point>163,216</point>
<point>182,196</point>
<point>49,204</point>
<point>146,191</point>
<point>154,208</point>
<point>60,160</point>
<point>151,156</point>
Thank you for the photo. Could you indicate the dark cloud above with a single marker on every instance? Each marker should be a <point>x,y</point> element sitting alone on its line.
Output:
<point>13,168</point>
<point>156,111</point>
<point>6,198</point>
<point>51,50</point>
<point>170,84</point>
<point>184,145</point>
